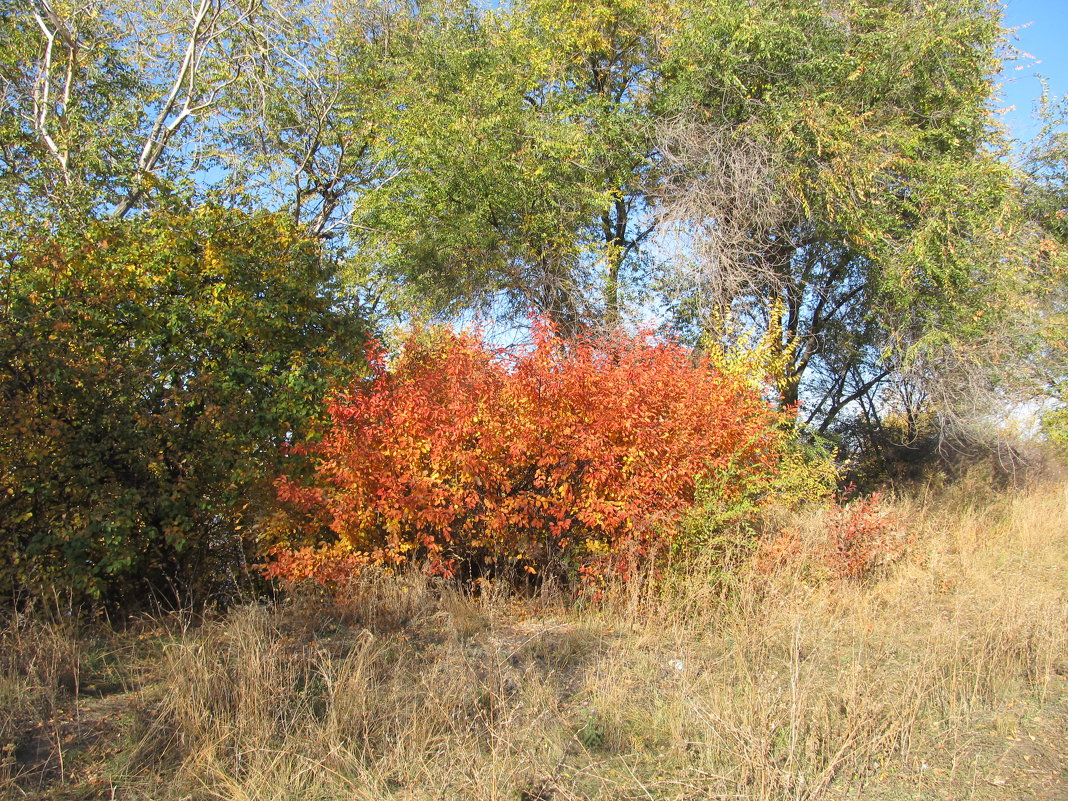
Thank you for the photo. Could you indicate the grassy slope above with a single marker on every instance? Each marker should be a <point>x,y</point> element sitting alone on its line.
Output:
<point>942,677</point>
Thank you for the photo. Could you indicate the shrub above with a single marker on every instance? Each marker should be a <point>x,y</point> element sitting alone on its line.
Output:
<point>863,537</point>
<point>851,541</point>
<point>149,368</point>
<point>722,516</point>
<point>1055,429</point>
<point>560,453</point>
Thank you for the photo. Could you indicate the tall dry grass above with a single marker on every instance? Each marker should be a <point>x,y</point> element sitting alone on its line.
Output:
<point>771,684</point>
<point>40,669</point>
<point>772,680</point>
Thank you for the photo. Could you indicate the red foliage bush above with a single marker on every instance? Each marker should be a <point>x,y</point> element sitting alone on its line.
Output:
<point>855,541</point>
<point>863,536</point>
<point>568,450</point>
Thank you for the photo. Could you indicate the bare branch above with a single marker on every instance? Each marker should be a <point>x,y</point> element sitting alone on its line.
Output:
<point>184,99</point>
<point>42,100</point>
<point>719,204</point>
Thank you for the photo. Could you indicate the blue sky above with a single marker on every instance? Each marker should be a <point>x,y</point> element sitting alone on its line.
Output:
<point>1045,43</point>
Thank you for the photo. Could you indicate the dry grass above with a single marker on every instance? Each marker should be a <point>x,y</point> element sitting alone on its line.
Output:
<point>40,667</point>
<point>781,684</point>
<point>52,672</point>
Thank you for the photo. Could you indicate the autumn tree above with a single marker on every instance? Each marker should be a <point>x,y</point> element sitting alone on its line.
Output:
<point>525,156</point>
<point>110,109</point>
<point>102,101</point>
<point>1045,348</point>
<point>522,149</point>
<point>834,172</point>
<point>848,188</point>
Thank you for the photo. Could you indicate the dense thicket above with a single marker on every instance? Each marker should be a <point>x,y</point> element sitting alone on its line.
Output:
<point>819,183</point>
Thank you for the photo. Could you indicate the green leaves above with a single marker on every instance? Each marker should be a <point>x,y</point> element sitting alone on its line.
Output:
<point>152,370</point>
<point>886,202</point>
<point>520,148</point>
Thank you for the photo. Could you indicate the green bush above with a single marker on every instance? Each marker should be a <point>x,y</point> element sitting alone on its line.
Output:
<point>150,370</point>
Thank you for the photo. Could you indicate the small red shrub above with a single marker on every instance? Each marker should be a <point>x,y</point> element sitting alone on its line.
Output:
<point>571,450</point>
<point>863,536</point>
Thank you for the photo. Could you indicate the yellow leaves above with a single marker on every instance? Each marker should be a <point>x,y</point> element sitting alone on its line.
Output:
<point>595,546</point>
<point>596,27</point>
<point>754,358</point>
<point>1049,247</point>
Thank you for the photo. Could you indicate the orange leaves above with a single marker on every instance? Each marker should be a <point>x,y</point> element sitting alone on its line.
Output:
<point>863,537</point>
<point>455,452</point>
